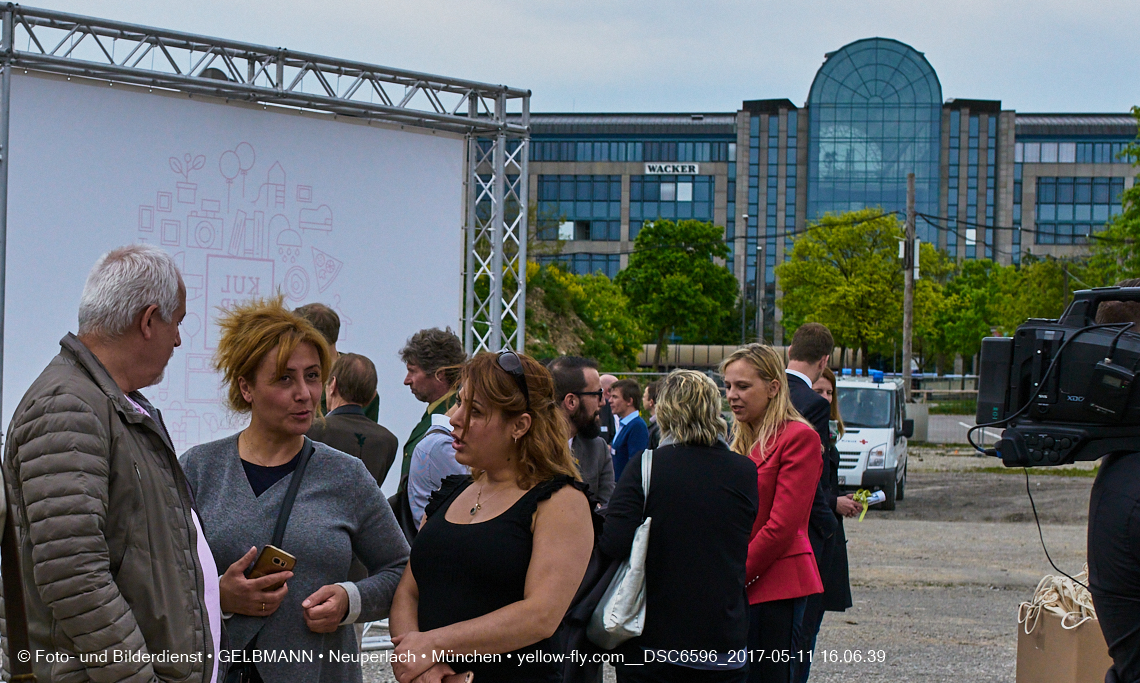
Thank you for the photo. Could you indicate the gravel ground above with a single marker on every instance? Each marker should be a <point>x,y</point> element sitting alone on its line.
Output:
<point>937,581</point>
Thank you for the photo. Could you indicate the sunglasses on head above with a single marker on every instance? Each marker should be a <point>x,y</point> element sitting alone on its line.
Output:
<point>510,362</point>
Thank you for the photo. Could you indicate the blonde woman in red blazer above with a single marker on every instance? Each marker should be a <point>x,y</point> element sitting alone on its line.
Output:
<point>781,569</point>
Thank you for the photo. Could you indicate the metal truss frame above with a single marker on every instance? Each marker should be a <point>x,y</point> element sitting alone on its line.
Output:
<point>117,52</point>
<point>497,211</point>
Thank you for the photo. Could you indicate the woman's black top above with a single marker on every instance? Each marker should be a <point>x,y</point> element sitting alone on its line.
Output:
<point>703,501</point>
<point>464,571</point>
<point>261,477</point>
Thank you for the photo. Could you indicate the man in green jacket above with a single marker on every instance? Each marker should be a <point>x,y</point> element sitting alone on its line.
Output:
<point>432,357</point>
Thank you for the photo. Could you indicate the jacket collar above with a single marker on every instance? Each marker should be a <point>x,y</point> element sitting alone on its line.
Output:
<point>71,345</point>
<point>347,409</point>
<point>667,440</point>
<point>795,373</point>
<point>445,402</point>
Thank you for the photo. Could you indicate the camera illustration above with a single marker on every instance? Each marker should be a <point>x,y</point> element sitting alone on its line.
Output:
<point>204,230</point>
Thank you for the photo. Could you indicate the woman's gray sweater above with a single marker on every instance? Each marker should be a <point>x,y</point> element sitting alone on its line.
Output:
<point>339,511</point>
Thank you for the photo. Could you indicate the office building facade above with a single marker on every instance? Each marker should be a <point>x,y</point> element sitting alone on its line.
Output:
<point>990,182</point>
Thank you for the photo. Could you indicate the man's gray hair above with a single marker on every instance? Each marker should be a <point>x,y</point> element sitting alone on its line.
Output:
<point>124,282</point>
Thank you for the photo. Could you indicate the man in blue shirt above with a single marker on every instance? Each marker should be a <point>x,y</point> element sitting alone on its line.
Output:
<point>633,433</point>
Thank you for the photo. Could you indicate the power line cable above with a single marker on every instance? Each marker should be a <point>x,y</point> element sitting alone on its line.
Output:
<point>791,233</point>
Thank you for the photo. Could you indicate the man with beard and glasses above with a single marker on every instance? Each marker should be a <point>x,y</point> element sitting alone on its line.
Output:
<point>578,390</point>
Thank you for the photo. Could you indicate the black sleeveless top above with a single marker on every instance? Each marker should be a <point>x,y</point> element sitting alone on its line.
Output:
<point>464,571</point>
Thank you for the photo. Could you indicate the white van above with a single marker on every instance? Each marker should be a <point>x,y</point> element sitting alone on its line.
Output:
<point>872,452</point>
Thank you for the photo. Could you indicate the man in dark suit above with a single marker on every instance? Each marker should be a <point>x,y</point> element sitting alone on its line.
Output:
<point>606,421</point>
<point>633,434</point>
<point>327,323</point>
<point>807,357</point>
<point>578,390</point>
<point>352,386</point>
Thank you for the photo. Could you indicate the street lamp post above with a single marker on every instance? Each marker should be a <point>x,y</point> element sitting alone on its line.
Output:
<point>744,290</point>
<point>759,297</point>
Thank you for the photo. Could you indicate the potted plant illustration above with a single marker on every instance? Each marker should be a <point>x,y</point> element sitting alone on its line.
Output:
<point>187,191</point>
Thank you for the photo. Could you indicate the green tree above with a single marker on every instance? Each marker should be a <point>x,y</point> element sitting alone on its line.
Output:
<point>929,302</point>
<point>1116,250</point>
<point>616,333</point>
<point>845,273</point>
<point>968,312</point>
<point>984,298</point>
<point>1035,289</point>
<point>673,282</point>
<point>584,315</point>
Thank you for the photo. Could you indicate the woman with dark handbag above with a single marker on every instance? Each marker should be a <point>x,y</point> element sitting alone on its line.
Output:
<point>781,569</point>
<point>502,551</point>
<point>702,500</point>
<point>270,485</point>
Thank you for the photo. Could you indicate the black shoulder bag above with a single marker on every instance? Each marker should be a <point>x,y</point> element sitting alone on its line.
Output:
<point>401,504</point>
<point>245,672</point>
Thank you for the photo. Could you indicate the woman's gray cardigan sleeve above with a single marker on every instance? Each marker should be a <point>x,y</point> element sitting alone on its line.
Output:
<point>379,544</point>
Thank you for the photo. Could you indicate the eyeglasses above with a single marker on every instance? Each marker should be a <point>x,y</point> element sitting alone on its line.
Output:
<point>511,364</point>
<point>596,394</point>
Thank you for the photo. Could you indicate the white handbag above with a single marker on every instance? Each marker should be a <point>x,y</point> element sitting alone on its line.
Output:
<point>621,613</point>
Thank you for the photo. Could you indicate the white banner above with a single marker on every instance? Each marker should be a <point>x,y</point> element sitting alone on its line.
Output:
<point>365,219</point>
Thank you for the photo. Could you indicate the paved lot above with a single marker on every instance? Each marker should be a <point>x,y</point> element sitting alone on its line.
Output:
<point>944,429</point>
<point>937,582</point>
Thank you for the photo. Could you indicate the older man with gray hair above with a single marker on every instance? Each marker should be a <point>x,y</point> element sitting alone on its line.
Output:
<point>118,580</point>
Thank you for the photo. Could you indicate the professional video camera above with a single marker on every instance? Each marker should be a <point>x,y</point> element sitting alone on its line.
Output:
<point>1063,388</point>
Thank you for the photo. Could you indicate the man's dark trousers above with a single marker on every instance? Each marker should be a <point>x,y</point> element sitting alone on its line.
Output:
<point>822,524</point>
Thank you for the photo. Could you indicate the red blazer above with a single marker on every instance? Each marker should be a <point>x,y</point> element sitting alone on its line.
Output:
<point>780,560</point>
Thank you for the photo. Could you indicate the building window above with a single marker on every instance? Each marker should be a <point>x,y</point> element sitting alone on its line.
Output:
<point>1016,240</point>
<point>991,183</point>
<point>952,181</point>
<point>972,189</point>
<point>582,207</point>
<point>790,174</point>
<point>1068,209</point>
<point>585,264</point>
<point>770,205</point>
<point>642,150</point>
<point>672,197</point>
<point>876,116</point>
<point>1069,152</point>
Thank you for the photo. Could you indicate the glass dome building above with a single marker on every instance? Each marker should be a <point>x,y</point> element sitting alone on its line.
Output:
<point>875,113</point>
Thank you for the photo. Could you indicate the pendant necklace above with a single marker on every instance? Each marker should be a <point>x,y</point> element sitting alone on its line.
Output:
<point>478,497</point>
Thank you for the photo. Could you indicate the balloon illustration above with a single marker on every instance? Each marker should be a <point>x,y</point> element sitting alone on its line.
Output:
<point>229,165</point>
<point>246,159</point>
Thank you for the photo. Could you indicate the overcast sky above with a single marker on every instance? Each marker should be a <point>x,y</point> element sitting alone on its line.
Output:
<point>707,56</point>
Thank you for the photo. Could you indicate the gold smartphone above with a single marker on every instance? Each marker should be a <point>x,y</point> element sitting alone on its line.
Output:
<point>271,561</point>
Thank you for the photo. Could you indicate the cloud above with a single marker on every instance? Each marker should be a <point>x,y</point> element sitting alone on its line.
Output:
<point>673,55</point>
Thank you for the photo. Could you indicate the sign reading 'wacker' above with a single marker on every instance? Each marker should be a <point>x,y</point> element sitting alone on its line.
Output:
<point>672,169</point>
